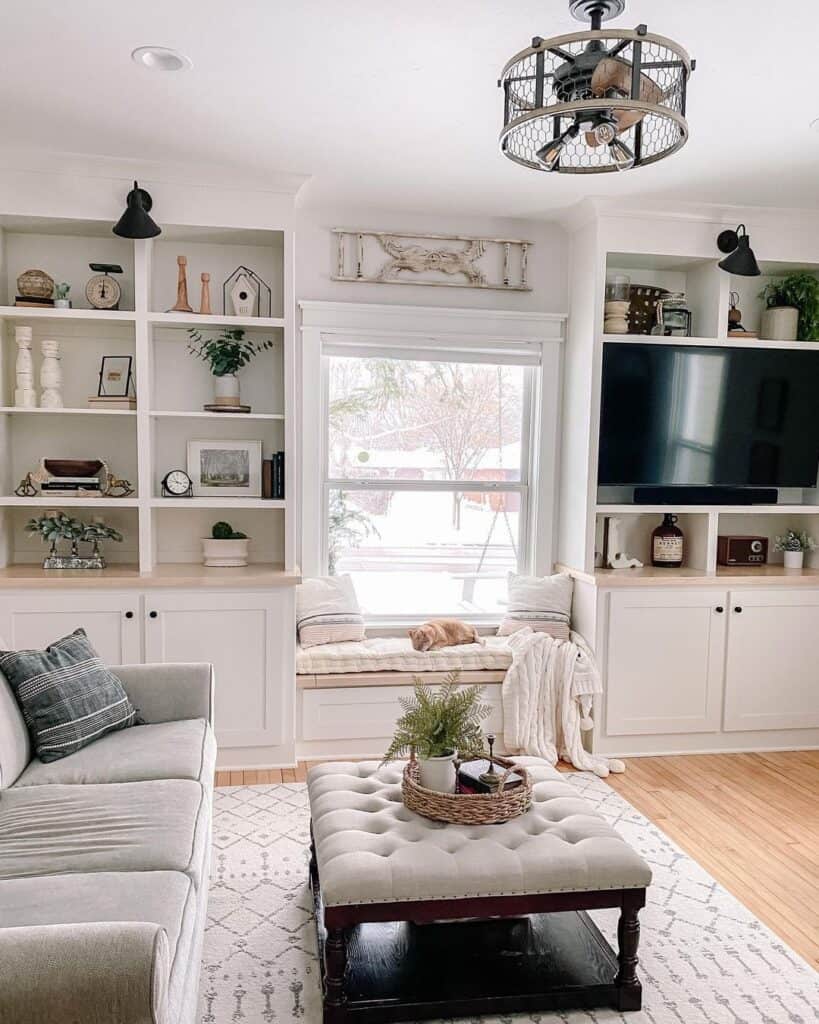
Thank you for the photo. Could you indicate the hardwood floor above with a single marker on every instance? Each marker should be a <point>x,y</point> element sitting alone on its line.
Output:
<point>751,820</point>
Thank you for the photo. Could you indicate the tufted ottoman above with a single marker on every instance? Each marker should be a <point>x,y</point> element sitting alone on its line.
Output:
<point>418,919</point>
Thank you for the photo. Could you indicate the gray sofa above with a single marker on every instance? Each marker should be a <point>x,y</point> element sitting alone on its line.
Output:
<point>104,861</point>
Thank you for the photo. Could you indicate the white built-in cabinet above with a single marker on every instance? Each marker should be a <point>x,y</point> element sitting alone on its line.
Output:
<point>704,668</point>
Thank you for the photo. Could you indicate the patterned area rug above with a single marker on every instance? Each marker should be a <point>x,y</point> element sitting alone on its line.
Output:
<point>704,958</point>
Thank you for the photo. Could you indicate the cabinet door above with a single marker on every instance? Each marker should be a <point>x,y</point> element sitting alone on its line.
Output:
<point>772,667</point>
<point>664,664</point>
<point>249,638</point>
<point>35,619</point>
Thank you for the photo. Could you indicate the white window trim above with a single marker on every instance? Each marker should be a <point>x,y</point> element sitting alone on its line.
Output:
<point>422,328</point>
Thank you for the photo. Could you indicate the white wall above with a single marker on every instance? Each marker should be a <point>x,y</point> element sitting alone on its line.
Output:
<point>316,255</point>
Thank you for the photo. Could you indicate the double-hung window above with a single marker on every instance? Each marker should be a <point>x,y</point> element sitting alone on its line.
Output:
<point>427,485</point>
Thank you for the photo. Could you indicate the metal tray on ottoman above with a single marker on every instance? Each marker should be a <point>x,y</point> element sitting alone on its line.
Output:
<point>419,920</point>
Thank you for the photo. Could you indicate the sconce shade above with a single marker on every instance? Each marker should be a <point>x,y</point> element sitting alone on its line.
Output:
<point>740,259</point>
<point>135,222</point>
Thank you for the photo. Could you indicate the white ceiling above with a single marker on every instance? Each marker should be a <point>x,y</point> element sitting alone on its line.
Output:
<point>395,105</point>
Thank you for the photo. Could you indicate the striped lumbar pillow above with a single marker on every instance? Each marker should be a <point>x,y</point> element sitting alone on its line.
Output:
<point>67,696</point>
<point>327,611</point>
<point>544,603</point>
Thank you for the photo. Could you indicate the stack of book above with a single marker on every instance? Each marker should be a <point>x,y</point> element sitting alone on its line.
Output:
<point>273,477</point>
<point>470,781</point>
<point>112,402</point>
<point>33,301</point>
<point>67,484</point>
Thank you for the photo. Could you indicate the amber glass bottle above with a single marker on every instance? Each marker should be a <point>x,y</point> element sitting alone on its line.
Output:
<point>667,544</point>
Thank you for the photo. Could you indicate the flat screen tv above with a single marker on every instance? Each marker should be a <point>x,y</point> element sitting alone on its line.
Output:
<point>680,415</point>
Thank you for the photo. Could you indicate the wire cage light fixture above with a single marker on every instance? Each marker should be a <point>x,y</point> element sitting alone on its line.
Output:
<point>595,101</point>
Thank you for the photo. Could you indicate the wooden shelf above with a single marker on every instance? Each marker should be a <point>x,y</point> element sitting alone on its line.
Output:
<point>49,313</point>
<point>17,410</point>
<point>652,576</point>
<point>239,416</point>
<point>187,320</point>
<point>226,503</point>
<point>175,574</point>
<point>55,501</point>
<point>632,509</point>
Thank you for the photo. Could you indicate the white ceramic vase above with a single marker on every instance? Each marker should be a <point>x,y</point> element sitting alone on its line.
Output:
<point>225,553</point>
<point>437,773</point>
<point>779,323</point>
<point>226,390</point>
<point>794,559</point>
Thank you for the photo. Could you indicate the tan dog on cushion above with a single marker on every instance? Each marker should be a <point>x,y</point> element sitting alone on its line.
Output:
<point>438,633</point>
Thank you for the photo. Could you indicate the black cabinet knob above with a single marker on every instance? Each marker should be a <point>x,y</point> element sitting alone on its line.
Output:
<point>719,609</point>
<point>152,615</point>
<point>738,609</point>
<point>129,615</point>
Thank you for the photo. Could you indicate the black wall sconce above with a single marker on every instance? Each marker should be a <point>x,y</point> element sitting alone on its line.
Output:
<point>740,259</point>
<point>135,222</point>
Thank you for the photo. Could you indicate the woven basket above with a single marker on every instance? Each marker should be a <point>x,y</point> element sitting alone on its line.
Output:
<point>468,808</point>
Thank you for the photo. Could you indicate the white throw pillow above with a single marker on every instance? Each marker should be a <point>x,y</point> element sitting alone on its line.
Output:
<point>327,611</point>
<point>544,603</point>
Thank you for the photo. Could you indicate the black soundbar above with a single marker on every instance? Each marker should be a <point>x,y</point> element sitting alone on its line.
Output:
<point>705,495</point>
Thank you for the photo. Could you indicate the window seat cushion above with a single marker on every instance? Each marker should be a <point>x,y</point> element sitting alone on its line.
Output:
<point>396,654</point>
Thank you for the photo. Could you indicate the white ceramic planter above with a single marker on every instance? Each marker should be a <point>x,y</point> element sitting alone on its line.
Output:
<point>794,559</point>
<point>437,773</point>
<point>62,303</point>
<point>779,323</point>
<point>225,553</point>
<point>226,390</point>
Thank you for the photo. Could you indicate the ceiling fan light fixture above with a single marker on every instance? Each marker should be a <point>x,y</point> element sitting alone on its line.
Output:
<point>608,85</point>
<point>740,259</point>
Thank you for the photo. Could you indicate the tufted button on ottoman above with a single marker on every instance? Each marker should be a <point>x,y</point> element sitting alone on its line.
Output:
<point>419,919</point>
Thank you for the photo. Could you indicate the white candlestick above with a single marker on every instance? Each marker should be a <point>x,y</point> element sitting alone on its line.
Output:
<point>51,375</point>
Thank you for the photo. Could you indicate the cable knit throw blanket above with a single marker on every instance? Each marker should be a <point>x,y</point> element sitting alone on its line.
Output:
<point>547,700</point>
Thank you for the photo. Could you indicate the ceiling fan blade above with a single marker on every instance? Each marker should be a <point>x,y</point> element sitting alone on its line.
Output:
<point>613,75</point>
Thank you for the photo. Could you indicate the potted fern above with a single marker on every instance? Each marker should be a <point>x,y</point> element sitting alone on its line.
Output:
<point>792,308</point>
<point>794,544</point>
<point>435,725</point>
<point>226,354</point>
<point>226,547</point>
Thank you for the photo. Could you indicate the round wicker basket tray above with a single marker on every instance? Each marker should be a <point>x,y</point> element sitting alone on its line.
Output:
<point>468,808</point>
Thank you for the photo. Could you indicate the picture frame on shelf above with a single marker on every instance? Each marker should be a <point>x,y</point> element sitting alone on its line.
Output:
<point>225,469</point>
<point>116,377</point>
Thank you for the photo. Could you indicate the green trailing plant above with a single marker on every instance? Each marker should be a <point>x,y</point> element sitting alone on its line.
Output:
<point>795,540</point>
<point>438,722</point>
<point>800,290</point>
<point>224,531</point>
<point>228,352</point>
<point>61,290</point>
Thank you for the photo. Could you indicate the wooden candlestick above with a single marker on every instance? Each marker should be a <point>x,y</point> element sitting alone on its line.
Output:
<point>204,301</point>
<point>182,304</point>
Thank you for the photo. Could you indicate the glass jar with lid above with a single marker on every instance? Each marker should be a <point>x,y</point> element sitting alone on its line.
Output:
<point>673,316</point>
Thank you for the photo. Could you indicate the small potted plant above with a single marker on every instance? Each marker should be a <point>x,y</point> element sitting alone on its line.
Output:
<point>435,725</point>
<point>792,311</point>
<point>61,299</point>
<point>226,354</point>
<point>54,527</point>
<point>225,547</point>
<point>794,544</point>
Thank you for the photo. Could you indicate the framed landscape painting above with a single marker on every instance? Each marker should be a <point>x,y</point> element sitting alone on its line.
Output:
<point>225,469</point>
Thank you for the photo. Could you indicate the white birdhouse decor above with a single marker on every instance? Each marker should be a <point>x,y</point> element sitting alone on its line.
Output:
<point>243,296</point>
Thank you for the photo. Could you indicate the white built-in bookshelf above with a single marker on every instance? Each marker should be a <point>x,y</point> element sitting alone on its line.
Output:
<point>171,386</point>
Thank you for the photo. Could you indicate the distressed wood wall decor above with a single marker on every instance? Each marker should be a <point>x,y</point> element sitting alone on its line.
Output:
<point>447,261</point>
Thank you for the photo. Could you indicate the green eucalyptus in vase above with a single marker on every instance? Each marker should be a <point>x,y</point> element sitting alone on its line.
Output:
<point>800,291</point>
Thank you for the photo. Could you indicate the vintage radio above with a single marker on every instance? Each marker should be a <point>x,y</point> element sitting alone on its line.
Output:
<point>742,550</point>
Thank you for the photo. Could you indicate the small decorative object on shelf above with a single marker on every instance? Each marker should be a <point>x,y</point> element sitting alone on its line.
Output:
<point>24,394</point>
<point>613,555</point>
<point>118,487</point>
<point>102,291</point>
<point>204,299</point>
<point>793,545</point>
<point>642,310</point>
<point>54,527</point>
<point>248,294</point>
<point>273,477</point>
<point>177,484</point>
<point>226,547</point>
<point>182,305</point>
<point>792,312</point>
<point>35,288</point>
<point>73,478</point>
<point>435,725</point>
<point>26,488</point>
<point>673,317</point>
<point>226,354</point>
<point>735,550</point>
<point>116,378</point>
<point>61,299</point>
<point>735,328</point>
<point>225,469</point>
<point>617,305</point>
<point>667,544</point>
<point>51,375</point>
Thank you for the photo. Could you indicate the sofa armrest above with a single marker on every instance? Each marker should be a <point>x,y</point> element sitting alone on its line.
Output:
<point>168,693</point>
<point>91,973</point>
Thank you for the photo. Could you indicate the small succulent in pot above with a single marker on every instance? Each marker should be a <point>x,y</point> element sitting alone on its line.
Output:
<point>61,299</point>
<point>436,725</point>
<point>225,547</point>
<point>794,544</point>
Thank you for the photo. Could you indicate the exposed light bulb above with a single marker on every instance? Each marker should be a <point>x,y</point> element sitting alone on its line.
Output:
<point>621,155</point>
<point>549,155</point>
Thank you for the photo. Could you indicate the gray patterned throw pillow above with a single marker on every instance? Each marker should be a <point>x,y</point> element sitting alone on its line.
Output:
<point>67,696</point>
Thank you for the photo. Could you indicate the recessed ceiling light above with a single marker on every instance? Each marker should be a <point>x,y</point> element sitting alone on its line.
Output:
<point>160,58</point>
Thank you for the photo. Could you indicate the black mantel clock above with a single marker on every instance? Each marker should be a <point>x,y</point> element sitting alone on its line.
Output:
<point>177,484</point>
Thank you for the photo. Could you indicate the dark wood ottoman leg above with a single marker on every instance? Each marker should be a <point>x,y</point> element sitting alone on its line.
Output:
<point>629,989</point>
<point>335,964</point>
